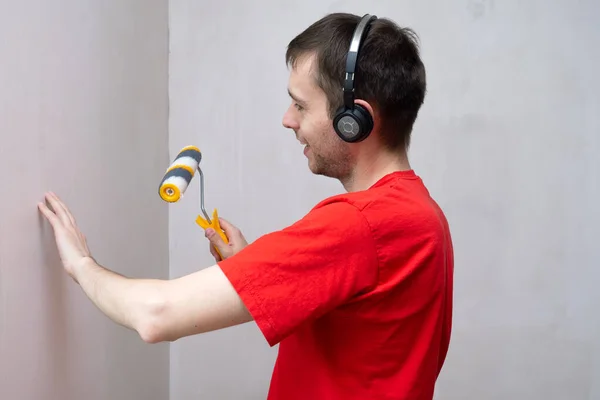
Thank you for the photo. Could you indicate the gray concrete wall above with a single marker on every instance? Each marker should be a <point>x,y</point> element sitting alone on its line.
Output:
<point>83,112</point>
<point>506,80</point>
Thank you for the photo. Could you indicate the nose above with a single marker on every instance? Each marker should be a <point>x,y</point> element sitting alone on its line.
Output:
<point>289,119</point>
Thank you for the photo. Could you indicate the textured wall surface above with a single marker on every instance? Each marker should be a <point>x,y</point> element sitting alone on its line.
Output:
<point>83,112</point>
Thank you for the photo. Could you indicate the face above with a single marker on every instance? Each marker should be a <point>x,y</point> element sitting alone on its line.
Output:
<point>308,117</point>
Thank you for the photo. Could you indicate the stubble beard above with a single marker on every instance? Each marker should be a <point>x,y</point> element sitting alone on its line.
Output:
<point>334,163</point>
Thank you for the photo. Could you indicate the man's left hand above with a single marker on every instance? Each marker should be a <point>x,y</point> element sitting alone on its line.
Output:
<point>71,243</point>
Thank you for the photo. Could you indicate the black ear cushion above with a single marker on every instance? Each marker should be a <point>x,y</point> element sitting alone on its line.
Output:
<point>364,118</point>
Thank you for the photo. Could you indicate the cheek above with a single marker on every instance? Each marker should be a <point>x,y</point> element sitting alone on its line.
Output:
<point>319,132</point>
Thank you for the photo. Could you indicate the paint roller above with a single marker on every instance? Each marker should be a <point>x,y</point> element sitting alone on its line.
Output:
<point>178,178</point>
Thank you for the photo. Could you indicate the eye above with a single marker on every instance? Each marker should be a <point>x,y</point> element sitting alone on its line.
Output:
<point>298,107</point>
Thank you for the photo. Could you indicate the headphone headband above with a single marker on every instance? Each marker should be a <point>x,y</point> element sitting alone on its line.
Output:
<point>353,122</point>
<point>352,58</point>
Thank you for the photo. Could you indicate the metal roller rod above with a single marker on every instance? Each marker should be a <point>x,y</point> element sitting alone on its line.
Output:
<point>202,196</point>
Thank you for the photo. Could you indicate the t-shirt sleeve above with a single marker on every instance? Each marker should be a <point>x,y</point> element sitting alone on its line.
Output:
<point>295,275</point>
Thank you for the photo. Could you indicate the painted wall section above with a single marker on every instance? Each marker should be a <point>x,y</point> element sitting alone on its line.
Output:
<point>507,141</point>
<point>83,112</point>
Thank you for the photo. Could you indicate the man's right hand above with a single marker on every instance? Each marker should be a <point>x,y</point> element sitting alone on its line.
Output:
<point>236,240</point>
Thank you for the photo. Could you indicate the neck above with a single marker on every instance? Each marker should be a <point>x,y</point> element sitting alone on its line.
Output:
<point>372,167</point>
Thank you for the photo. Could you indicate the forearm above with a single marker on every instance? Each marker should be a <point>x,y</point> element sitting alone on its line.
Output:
<point>132,303</point>
<point>164,310</point>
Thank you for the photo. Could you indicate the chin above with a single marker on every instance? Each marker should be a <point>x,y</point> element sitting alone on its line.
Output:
<point>313,168</point>
<point>320,170</point>
<point>327,168</point>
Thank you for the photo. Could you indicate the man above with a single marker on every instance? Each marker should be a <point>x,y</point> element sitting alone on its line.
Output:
<point>358,293</point>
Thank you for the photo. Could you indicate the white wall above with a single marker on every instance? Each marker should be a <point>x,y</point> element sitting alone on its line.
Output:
<point>83,112</point>
<point>506,79</point>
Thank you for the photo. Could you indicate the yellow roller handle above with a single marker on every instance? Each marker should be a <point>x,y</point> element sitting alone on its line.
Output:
<point>214,225</point>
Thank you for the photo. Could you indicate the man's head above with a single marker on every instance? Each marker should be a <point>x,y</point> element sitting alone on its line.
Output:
<point>389,82</point>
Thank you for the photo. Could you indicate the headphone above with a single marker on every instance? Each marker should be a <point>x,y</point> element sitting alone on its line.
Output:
<point>352,122</point>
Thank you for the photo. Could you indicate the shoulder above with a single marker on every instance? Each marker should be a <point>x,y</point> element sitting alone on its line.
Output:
<point>396,209</point>
<point>335,222</point>
<point>338,208</point>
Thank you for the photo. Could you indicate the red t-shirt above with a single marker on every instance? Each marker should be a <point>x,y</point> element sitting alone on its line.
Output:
<point>358,294</point>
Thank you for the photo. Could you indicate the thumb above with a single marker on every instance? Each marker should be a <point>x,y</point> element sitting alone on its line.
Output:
<point>215,239</point>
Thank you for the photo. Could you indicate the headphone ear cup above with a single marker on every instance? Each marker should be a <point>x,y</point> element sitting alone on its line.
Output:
<point>365,120</point>
<point>353,125</point>
<point>346,126</point>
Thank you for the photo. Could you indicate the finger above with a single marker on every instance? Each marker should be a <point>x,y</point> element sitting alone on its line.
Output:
<point>59,211</point>
<point>50,216</point>
<point>214,252</point>
<point>215,239</point>
<point>63,207</point>
<point>228,227</point>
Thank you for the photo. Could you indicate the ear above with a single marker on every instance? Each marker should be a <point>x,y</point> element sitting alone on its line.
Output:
<point>367,106</point>
<point>370,110</point>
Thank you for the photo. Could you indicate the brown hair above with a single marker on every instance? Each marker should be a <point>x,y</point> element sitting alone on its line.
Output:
<point>389,73</point>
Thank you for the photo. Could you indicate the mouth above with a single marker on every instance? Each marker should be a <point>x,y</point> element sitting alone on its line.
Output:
<point>303,143</point>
